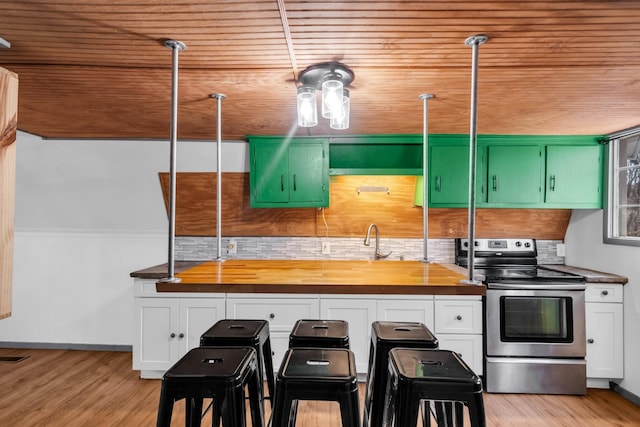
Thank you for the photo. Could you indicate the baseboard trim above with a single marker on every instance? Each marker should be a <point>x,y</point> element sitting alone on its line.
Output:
<point>625,393</point>
<point>67,346</point>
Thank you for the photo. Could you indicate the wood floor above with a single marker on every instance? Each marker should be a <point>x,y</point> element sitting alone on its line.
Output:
<point>91,388</point>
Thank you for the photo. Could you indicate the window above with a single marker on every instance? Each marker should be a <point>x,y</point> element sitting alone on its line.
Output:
<point>622,215</point>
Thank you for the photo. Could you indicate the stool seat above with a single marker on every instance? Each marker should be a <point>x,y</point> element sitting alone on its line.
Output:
<point>434,375</point>
<point>320,333</point>
<point>317,374</point>
<point>384,337</point>
<point>220,373</point>
<point>245,332</point>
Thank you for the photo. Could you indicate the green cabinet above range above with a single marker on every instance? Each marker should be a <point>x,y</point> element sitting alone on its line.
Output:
<point>288,173</point>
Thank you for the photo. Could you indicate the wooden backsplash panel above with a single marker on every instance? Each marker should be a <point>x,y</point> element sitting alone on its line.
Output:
<point>350,213</point>
<point>196,208</point>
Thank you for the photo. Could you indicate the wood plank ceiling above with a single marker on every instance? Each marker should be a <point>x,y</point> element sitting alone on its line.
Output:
<point>99,69</point>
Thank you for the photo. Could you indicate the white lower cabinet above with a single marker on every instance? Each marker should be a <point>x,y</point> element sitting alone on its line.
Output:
<point>604,330</point>
<point>359,313</point>
<point>170,324</point>
<point>168,327</point>
<point>458,327</point>
<point>281,310</point>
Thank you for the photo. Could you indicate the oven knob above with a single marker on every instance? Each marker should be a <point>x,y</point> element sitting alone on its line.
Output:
<point>527,244</point>
<point>476,244</point>
<point>518,244</point>
<point>465,244</point>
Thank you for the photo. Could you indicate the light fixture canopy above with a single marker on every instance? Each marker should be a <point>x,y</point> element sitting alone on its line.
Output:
<point>332,78</point>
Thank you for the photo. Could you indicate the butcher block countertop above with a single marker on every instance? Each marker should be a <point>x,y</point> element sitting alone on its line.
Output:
<point>319,277</point>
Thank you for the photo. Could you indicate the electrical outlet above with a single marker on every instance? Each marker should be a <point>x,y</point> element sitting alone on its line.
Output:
<point>326,248</point>
<point>560,249</point>
<point>232,248</point>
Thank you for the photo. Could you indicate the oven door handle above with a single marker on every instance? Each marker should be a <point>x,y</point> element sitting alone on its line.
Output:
<point>556,286</point>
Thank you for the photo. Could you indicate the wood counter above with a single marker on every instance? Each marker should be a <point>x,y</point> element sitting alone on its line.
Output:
<point>323,277</point>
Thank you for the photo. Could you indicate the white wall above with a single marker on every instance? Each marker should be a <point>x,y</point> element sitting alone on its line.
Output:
<point>584,248</point>
<point>87,214</point>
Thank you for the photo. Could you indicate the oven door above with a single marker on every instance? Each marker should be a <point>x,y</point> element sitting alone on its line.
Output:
<point>534,320</point>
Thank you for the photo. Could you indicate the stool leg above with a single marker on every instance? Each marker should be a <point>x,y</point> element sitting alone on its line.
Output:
<point>368,385</point>
<point>476,411</point>
<point>233,410</point>
<point>268,367</point>
<point>407,406</point>
<point>425,406</point>
<point>165,408</point>
<point>281,408</point>
<point>257,409</point>
<point>193,411</point>
<point>350,410</point>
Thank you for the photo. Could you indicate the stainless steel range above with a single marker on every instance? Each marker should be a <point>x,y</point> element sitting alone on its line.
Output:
<point>535,338</point>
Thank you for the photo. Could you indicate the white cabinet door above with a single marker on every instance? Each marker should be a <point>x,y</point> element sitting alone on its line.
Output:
<point>157,329</point>
<point>359,314</point>
<point>197,315</point>
<point>604,340</point>
<point>397,310</point>
<point>468,346</point>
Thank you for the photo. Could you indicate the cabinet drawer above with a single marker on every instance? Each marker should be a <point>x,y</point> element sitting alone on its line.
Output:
<point>282,314</point>
<point>604,292</point>
<point>458,316</point>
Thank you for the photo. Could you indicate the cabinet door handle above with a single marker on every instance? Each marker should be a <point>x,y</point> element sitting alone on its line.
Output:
<point>590,341</point>
<point>495,183</point>
<point>172,335</point>
<point>438,183</point>
<point>294,182</point>
<point>458,317</point>
<point>552,183</point>
<point>605,292</point>
<point>272,316</point>
<point>281,182</point>
<point>180,336</point>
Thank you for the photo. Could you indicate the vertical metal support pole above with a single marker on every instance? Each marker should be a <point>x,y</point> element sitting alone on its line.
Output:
<point>175,47</point>
<point>425,174</point>
<point>474,42</point>
<point>219,97</point>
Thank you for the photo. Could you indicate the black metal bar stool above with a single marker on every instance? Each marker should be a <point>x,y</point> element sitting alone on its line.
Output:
<point>384,337</point>
<point>433,375</point>
<point>320,334</point>
<point>317,374</point>
<point>219,373</point>
<point>250,333</point>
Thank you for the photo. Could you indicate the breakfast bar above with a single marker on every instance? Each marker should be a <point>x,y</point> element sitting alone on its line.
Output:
<point>322,277</point>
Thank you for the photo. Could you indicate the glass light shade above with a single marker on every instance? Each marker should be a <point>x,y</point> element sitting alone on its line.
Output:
<point>307,109</point>
<point>331,97</point>
<point>342,121</point>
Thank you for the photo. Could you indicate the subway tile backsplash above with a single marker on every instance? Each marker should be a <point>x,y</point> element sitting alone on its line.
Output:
<point>438,250</point>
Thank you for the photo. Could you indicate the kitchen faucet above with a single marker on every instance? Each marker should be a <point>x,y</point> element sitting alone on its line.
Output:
<point>367,241</point>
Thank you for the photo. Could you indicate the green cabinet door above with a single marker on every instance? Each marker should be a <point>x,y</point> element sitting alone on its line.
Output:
<point>574,176</point>
<point>271,173</point>
<point>288,173</point>
<point>308,177</point>
<point>449,176</point>
<point>514,175</point>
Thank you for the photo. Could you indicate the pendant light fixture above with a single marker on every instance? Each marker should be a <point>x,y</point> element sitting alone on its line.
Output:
<point>332,78</point>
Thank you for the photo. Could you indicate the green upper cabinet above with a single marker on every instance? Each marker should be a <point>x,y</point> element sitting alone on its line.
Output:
<point>514,175</point>
<point>574,176</point>
<point>449,176</point>
<point>288,173</point>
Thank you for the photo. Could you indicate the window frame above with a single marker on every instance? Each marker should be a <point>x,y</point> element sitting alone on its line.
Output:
<point>611,188</point>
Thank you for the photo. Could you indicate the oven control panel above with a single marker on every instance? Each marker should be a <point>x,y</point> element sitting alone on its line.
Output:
<point>500,246</point>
